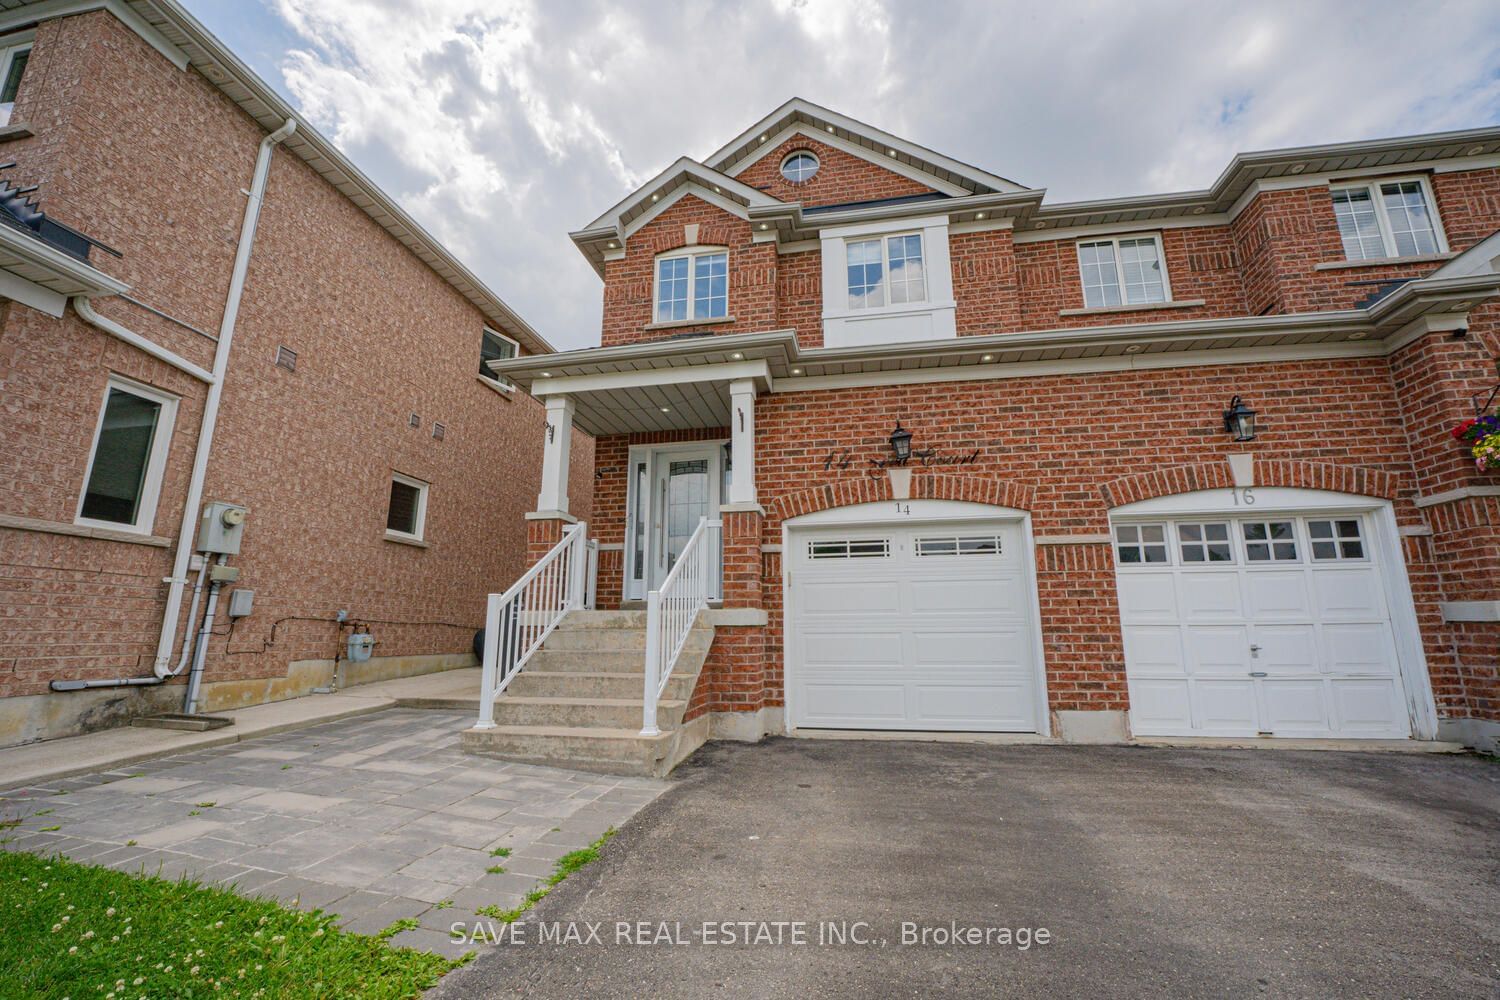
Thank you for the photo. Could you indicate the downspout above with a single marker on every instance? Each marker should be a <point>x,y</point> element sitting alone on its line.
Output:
<point>85,310</point>
<point>188,533</point>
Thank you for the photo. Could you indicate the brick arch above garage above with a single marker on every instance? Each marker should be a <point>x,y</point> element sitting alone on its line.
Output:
<point>924,486</point>
<point>1361,480</point>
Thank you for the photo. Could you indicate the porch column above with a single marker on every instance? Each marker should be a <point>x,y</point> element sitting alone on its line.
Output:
<point>553,498</point>
<point>742,441</point>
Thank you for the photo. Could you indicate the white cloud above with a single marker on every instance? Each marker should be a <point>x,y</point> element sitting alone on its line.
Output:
<point>502,124</point>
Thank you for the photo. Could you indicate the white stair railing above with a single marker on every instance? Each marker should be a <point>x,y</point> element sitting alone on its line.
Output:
<point>672,610</point>
<point>519,620</point>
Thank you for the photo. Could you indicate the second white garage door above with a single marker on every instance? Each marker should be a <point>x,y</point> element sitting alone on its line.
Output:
<point>919,628</point>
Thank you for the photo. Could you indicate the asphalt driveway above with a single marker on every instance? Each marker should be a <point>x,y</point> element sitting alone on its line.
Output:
<point>1155,872</point>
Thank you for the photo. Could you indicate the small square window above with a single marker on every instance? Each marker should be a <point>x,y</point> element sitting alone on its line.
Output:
<point>1205,543</point>
<point>1141,543</point>
<point>407,513</point>
<point>1336,539</point>
<point>1270,541</point>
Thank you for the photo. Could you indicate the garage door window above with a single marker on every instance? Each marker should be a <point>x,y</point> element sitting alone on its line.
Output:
<point>1270,541</point>
<point>1205,542</point>
<point>1335,540</point>
<point>850,548</point>
<point>1141,543</point>
<point>962,545</point>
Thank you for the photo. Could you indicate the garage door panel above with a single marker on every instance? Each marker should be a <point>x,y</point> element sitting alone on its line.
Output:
<point>1155,649</point>
<point>964,595</point>
<point>823,596</point>
<point>1354,648</point>
<point>823,650</point>
<point>1216,649</point>
<point>851,704</point>
<point>1149,597</point>
<point>1294,704</point>
<point>1159,706</point>
<point>1285,649</point>
<point>1224,704</point>
<point>1370,705</point>
<point>1271,594</point>
<point>968,705</point>
<point>1352,593</point>
<point>1209,596</point>
<point>1002,649</point>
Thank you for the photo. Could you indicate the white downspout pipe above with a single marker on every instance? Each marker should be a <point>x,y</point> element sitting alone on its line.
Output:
<point>85,310</point>
<point>188,534</point>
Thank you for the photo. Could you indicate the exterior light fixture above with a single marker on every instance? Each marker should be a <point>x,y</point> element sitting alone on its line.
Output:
<point>796,371</point>
<point>764,138</point>
<point>666,409</point>
<point>612,244</point>
<point>737,356</point>
<point>988,357</point>
<point>1239,420</point>
<point>978,215</point>
<point>830,128</point>
<point>890,152</point>
<point>901,442</point>
<point>764,226</point>
<point>545,374</point>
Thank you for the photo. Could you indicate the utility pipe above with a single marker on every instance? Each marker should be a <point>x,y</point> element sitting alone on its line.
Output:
<point>85,310</point>
<point>200,648</point>
<point>188,533</point>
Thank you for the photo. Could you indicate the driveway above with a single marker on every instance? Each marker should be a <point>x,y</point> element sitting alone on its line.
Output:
<point>376,818</point>
<point>1154,871</point>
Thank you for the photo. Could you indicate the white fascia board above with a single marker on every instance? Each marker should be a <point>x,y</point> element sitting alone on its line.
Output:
<point>40,254</point>
<point>1120,228</point>
<point>705,176</point>
<point>891,163</point>
<point>757,370</point>
<point>880,228</point>
<point>778,118</point>
<point>29,293</point>
<point>691,188</point>
<point>50,10</point>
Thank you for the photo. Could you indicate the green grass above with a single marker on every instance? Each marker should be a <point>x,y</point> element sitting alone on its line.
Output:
<point>71,930</point>
<point>564,866</point>
<point>499,852</point>
<point>496,870</point>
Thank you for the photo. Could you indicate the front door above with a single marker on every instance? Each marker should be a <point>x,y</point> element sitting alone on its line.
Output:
<point>673,489</point>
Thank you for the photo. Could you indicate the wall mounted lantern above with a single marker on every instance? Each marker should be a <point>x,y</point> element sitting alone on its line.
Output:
<point>1239,420</point>
<point>901,442</point>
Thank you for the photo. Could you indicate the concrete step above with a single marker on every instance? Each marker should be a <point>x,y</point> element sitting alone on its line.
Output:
<point>583,713</point>
<point>608,751</point>
<point>604,620</point>
<point>572,661</point>
<point>586,684</point>
<point>602,640</point>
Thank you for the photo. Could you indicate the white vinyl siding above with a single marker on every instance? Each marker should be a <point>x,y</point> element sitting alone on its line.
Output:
<point>1127,271</point>
<point>1389,219</point>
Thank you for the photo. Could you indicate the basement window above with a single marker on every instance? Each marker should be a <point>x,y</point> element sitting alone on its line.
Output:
<point>128,458</point>
<point>406,516</point>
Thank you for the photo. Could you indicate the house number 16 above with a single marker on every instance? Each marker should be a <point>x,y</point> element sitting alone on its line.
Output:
<point>1245,496</point>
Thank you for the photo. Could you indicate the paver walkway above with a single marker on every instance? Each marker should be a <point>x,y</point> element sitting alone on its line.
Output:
<point>375,818</point>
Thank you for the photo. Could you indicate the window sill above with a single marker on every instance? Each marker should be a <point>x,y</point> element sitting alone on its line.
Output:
<point>83,531</point>
<point>400,539</point>
<point>11,133</point>
<point>1139,307</point>
<point>677,324</point>
<point>1343,265</point>
<point>881,312</point>
<point>505,389</point>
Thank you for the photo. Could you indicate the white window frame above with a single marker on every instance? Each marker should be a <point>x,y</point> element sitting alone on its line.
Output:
<point>691,254</point>
<point>10,47</point>
<point>156,461</point>
<point>421,518</point>
<point>1114,241</point>
<point>494,381</point>
<point>885,274</point>
<point>788,158</point>
<point>1377,199</point>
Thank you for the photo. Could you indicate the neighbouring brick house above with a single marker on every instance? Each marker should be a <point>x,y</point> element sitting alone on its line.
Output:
<point>984,462</point>
<point>383,470</point>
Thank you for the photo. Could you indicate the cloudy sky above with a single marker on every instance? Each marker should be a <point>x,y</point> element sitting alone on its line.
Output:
<point>503,124</point>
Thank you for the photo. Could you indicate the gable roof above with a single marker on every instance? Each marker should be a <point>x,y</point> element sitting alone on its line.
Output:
<point>178,36</point>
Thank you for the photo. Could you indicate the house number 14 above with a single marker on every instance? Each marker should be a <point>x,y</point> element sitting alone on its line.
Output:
<point>903,508</point>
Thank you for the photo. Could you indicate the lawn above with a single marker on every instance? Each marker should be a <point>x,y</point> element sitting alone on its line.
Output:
<point>70,930</point>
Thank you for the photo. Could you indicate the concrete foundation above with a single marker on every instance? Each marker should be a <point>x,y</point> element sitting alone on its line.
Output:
<point>1481,734</point>
<point>1090,727</point>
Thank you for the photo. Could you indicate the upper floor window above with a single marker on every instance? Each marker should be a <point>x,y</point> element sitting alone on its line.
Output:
<point>128,459</point>
<point>886,271</point>
<point>1389,219</point>
<point>693,286</point>
<point>799,167</point>
<point>1126,271</point>
<point>495,347</point>
<point>14,56</point>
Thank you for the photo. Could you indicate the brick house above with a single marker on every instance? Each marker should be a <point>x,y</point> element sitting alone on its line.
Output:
<point>204,301</point>
<point>968,460</point>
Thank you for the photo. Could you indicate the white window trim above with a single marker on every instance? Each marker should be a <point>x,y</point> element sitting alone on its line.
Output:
<point>885,274</point>
<point>1115,239</point>
<point>1387,238</point>
<point>495,381</point>
<point>156,462</point>
<point>421,519</point>
<point>692,254</point>
<point>817,165</point>
<point>935,319</point>
<point>10,47</point>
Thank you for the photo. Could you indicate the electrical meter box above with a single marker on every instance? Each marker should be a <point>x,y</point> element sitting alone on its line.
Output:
<point>222,527</point>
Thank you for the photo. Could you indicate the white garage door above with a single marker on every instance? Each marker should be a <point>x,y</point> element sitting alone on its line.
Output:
<point>1274,625</point>
<point>915,628</point>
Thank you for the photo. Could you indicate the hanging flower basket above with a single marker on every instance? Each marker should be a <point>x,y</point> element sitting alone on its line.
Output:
<point>1482,435</point>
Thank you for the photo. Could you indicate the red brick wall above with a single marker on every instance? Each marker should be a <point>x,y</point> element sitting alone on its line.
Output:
<point>841,178</point>
<point>150,160</point>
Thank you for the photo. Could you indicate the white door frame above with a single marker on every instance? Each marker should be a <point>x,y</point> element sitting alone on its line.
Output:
<point>1411,658</point>
<point>904,513</point>
<point>651,454</point>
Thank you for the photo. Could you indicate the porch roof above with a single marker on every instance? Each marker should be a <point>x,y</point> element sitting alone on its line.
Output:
<point>683,383</point>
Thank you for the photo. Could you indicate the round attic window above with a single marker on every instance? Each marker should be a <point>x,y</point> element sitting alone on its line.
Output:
<point>799,166</point>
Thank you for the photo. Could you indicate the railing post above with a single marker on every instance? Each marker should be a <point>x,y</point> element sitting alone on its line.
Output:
<point>489,673</point>
<point>653,663</point>
<point>578,564</point>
